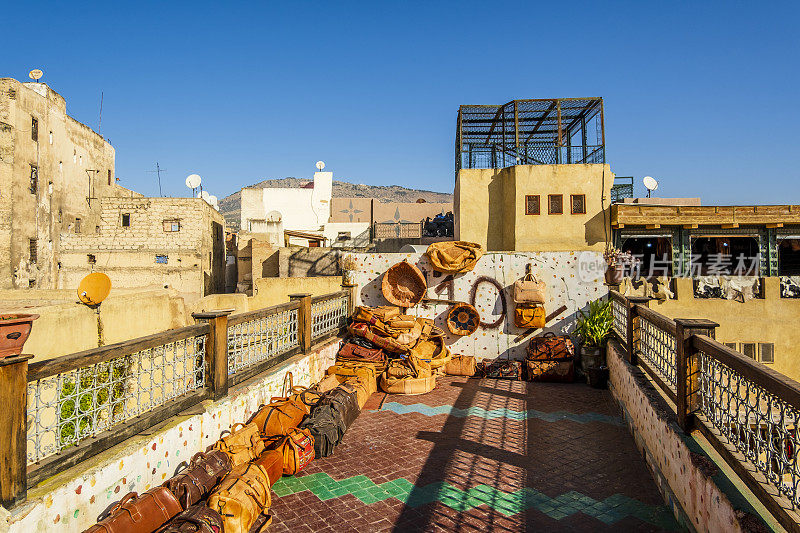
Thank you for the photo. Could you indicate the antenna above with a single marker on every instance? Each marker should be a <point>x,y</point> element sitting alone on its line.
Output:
<point>158,171</point>
<point>99,122</point>
<point>320,165</point>
<point>650,184</point>
<point>35,74</point>
<point>193,181</point>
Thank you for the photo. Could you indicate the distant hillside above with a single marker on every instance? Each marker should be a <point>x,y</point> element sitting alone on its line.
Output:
<point>231,206</point>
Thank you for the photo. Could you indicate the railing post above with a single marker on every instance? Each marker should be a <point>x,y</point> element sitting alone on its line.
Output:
<point>351,297</point>
<point>687,370</point>
<point>216,351</point>
<point>14,434</point>
<point>303,320</point>
<point>633,324</point>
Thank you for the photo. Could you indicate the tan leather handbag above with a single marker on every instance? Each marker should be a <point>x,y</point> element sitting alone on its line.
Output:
<point>241,497</point>
<point>344,371</point>
<point>242,445</point>
<point>147,512</point>
<point>461,365</point>
<point>279,416</point>
<point>362,388</point>
<point>529,316</point>
<point>530,290</point>
<point>297,450</point>
<point>453,257</point>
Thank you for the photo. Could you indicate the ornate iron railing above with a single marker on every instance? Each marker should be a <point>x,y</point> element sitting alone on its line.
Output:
<point>328,314</point>
<point>619,314</point>
<point>260,336</point>
<point>656,344</point>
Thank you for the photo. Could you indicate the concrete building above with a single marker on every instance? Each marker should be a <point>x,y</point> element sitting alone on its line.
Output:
<point>53,173</point>
<point>176,243</point>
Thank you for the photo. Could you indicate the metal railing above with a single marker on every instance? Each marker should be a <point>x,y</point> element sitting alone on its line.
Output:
<point>396,230</point>
<point>70,408</point>
<point>747,411</point>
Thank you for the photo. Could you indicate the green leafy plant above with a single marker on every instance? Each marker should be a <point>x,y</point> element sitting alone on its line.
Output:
<point>594,326</point>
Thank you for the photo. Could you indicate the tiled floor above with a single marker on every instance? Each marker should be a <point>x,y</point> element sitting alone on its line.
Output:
<point>479,455</point>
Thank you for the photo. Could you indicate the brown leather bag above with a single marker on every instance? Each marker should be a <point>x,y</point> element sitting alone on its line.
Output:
<point>351,351</point>
<point>361,387</point>
<point>196,519</point>
<point>242,445</point>
<point>297,449</point>
<point>529,316</point>
<point>147,512</point>
<point>550,347</point>
<point>461,365</point>
<point>279,416</point>
<point>305,396</point>
<point>327,383</point>
<point>272,463</point>
<point>205,471</point>
<point>241,497</point>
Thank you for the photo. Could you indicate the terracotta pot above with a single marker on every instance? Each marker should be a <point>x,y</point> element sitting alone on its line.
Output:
<point>614,274</point>
<point>14,331</point>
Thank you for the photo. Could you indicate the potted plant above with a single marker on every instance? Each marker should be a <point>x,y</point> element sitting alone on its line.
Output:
<point>617,262</point>
<point>14,331</point>
<point>348,266</point>
<point>593,328</point>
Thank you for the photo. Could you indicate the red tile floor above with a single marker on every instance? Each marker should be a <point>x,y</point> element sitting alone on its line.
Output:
<point>479,455</point>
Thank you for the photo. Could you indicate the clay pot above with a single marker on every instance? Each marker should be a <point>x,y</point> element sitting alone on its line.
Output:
<point>14,331</point>
<point>615,274</point>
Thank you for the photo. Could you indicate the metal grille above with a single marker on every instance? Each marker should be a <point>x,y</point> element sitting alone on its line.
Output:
<point>399,230</point>
<point>620,319</point>
<point>328,316</point>
<point>657,347</point>
<point>261,339</point>
<point>70,407</point>
<point>759,424</point>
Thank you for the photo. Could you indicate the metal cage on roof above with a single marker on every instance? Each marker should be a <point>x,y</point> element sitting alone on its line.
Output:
<point>530,132</point>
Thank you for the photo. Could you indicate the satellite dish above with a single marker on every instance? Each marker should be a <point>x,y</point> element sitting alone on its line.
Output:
<point>193,181</point>
<point>650,184</point>
<point>320,165</point>
<point>35,74</point>
<point>204,195</point>
<point>94,288</point>
<point>213,200</point>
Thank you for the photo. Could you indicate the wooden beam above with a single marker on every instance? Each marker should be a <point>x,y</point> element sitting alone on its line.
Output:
<point>775,225</point>
<point>690,226</point>
<point>730,226</point>
<point>653,226</point>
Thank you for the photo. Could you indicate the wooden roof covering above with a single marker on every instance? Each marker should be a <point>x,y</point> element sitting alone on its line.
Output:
<point>623,215</point>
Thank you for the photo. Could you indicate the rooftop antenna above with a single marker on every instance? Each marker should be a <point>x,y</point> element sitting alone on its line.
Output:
<point>650,184</point>
<point>100,122</point>
<point>35,74</point>
<point>193,181</point>
<point>158,172</point>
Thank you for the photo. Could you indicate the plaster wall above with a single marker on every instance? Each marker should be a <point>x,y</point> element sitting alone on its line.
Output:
<point>491,281</point>
<point>299,208</point>
<point>73,500</point>
<point>490,207</point>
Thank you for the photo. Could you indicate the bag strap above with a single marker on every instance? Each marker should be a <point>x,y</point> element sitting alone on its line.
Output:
<point>287,377</point>
<point>233,427</point>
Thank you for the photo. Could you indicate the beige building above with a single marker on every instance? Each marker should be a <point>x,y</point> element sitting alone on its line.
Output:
<point>176,243</point>
<point>53,172</point>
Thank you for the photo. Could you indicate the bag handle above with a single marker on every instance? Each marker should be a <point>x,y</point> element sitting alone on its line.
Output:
<point>233,427</point>
<point>193,460</point>
<point>287,377</point>
<point>128,497</point>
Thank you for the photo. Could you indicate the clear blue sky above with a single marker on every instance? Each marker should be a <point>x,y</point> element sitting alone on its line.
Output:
<point>703,96</point>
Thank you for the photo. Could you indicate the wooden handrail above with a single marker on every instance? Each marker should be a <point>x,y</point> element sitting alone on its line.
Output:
<point>657,319</point>
<point>331,296</point>
<point>65,363</point>
<point>261,313</point>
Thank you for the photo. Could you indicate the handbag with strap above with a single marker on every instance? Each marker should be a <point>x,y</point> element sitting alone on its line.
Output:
<point>501,369</point>
<point>351,351</point>
<point>530,290</point>
<point>390,344</point>
<point>345,370</point>
<point>272,463</point>
<point>279,416</point>
<point>345,402</point>
<point>550,347</point>
<point>204,472</point>
<point>551,358</point>
<point>327,427</point>
<point>461,365</point>
<point>362,388</point>
<point>529,316</point>
<point>196,519</point>
<point>307,396</point>
<point>453,257</point>
<point>242,445</point>
<point>326,384</point>
<point>241,497</point>
<point>135,513</point>
<point>297,450</point>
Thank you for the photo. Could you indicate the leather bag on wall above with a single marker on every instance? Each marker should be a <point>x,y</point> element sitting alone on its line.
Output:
<point>454,257</point>
<point>530,290</point>
<point>529,316</point>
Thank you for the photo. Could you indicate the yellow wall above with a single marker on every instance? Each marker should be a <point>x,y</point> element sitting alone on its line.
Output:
<point>771,319</point>
<point>490,207</point>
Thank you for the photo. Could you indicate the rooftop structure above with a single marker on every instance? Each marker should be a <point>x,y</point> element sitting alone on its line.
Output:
<point>530,132</point>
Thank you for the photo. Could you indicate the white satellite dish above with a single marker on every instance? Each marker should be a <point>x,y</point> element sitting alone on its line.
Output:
<point>212,200</point>
<point>204,195</point>
<point>35,74</point>
<point>320,165</point>
<point>193,181</point>
<point>650,184</point>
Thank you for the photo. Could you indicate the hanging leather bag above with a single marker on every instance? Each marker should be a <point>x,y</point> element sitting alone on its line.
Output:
<point>241,497</point>
<point>196,519</point>
<point>242,445</point>
<point>133,513</point>
<point>530,290</point>
<point>529,316</point>
<point>204,472</point>
<point>297,450</point>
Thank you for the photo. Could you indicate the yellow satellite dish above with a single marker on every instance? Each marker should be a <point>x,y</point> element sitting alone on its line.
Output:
<point>94,288</point>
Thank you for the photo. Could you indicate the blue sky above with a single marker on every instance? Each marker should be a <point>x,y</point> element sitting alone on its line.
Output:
<point>703,96</point>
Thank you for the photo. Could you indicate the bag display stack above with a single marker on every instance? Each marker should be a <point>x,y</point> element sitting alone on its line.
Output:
<point>530,294</point>
<point>551,357</point>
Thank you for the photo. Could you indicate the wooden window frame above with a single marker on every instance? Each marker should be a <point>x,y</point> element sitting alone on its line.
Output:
<point>167,225</point>
<point>538,204</point>
<point>550,198</point>
<point>761,358</point>
<point>572,204</point>
<point>123,219</point>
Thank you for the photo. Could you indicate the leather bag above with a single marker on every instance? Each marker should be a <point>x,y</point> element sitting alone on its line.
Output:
<point>530,290</point>
<point>551,358</point>
<point>196,519</point>
<point>432,351</point>
<point>529,316</point>
<point>279,416</point>
<point>346,370</point>
<point>242,445</point>
<point>550,347</point>
<point>505,369</point>
<point>461,365</point>
<point>307,396</point>
<point>345,402</point>
<point>241,497</point>
<point>135,513</point>
<point>326,384</point>
<point>297,450</point>
<point>553,371</point>
<point>351,351</point>
<point>272,463</point>
<point>453,257</point>
<point>362,389</point>
<point>390,344</point>
<point>204,472</point>
<point>407,385</point>
<point>327,427</point>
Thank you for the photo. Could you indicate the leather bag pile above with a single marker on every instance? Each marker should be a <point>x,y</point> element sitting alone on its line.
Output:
<point>530,295</point>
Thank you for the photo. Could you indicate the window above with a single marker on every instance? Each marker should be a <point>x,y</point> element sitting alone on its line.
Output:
<point>162,259</point>
<point>34,188</point>
<point>33,249</point>
<point>77,225</point>
<point>578,204</point>
<point>97,229</point>
<point>125,220</point>
<point>109,176</point>
<point>171,226</point>
<point>91,259</point>
<point>343,236</point>
<point>34,129</point>
<point>731,345</point>
<point>531,204</point>
<point>766,352</point>
<point>555,204</point>
<point>748,349</point>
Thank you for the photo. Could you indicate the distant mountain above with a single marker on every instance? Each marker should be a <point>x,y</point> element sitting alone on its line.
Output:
<point>231,206</point>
